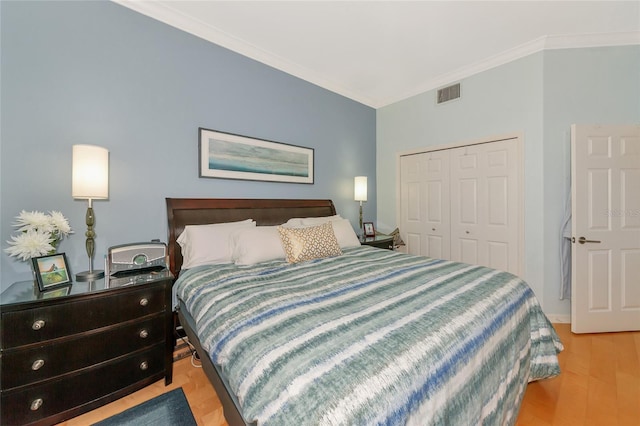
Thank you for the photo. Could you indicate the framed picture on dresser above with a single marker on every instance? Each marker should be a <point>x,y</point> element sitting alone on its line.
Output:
<point>369,229</point>
<point>51,271</point>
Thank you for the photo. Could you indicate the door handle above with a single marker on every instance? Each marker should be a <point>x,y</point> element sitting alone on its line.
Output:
<point>583,240</point>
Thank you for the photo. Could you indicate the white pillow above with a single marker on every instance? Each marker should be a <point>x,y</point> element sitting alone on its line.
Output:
<point>297,221</point>
<point>345,234</point>
<point>255,245</point>
<point>208,244</point>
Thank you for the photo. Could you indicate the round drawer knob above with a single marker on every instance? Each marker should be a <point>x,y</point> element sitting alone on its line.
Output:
<point>37,325</point>
<point>144,365</point>
<point>37,364</point>
<point>144,334</point>
<point>36,404</point>
<point>144,302</point>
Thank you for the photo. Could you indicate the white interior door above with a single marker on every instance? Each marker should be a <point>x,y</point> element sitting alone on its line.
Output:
<point>438,217</point>
<point>412,202</point>
<point>425,203</point>
<point>485,205</point>
<point>605,174</point>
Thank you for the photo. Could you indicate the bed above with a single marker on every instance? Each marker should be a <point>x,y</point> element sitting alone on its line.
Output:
<point>361,336</point>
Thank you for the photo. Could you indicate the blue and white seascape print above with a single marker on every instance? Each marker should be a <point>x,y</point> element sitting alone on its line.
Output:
<point>240,157</point>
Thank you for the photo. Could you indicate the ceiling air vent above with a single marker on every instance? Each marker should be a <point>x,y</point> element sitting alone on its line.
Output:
<point>449,93</point>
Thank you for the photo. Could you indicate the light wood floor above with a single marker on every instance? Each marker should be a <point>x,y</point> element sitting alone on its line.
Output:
<point>599,386</point>
<point>599,383</point>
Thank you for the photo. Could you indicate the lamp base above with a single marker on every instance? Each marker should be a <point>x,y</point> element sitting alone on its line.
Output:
<point>90,275</point>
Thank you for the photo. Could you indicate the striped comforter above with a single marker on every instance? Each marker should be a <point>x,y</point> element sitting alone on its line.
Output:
<point>372,337</point>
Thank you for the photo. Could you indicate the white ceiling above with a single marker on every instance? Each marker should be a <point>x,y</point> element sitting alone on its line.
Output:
<point>380,52</point>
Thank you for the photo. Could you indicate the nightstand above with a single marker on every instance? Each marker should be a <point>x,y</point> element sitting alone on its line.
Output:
<point>379,241</point>
<point>69,350</point>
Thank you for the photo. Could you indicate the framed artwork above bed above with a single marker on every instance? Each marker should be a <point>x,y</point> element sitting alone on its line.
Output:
<point>228,156</point>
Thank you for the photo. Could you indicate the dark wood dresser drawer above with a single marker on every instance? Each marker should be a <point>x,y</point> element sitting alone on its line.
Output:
<point>63,353</point>
<point>26,366</point>
<point>76,390</point>
<point>63,319</point>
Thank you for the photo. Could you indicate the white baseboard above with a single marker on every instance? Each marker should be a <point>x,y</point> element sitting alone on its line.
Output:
<point>560,318</point>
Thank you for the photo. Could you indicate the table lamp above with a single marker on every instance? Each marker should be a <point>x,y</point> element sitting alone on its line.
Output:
<point>90,181</point>
<point>360,192</point>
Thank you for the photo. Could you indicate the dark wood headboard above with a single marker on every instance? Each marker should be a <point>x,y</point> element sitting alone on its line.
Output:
<point>201,211</point>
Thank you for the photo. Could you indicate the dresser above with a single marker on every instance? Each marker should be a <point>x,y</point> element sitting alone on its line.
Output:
<point>69,350</point>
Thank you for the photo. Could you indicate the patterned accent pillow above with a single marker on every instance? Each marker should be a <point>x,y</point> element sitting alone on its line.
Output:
<point>308,243</point>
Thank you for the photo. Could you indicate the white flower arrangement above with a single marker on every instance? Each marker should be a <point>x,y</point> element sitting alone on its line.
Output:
<point>39,234</point>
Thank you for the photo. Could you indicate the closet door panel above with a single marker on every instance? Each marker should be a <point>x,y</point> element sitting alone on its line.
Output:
<point>424,199</point>
<point>498,255</point>
<point>485,210</point>
<point>502,206</point>
<point>467,214</point>
<point>468,201</point>
<point>463,204</point>
<point>498,192</point>
<point>413,206</point>
<point>435,246</point>
<point>438,221</point>
<point>415,215</point>
<point>468,251</point>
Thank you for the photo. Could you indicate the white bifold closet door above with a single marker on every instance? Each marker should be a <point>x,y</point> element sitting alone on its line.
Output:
<point>425,204</point>
<point>464,204</point>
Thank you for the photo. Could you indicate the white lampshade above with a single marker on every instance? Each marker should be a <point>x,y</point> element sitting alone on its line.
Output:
<point>360,188</point>
<point>90,175</point>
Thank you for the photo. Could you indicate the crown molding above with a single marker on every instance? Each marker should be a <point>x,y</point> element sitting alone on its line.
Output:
<point>576,41</point>
<point>164,13</point>
<point>534,46</point>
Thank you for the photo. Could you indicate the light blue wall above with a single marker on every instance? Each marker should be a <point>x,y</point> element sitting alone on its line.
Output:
<point>504,100</point>
<point>99,73</point>
<point>539,96</point>
<point>581,86</point>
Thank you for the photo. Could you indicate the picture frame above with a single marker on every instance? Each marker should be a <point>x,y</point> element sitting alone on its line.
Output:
<point>51,271</point>
<point>369,229</point>
<point>229,156</point>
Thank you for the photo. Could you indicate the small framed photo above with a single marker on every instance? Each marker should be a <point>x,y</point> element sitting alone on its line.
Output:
<point>369,229</point>
<point>51,271</point>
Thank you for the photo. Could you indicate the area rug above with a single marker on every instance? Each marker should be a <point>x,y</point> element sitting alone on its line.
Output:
<point>171,409</point>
